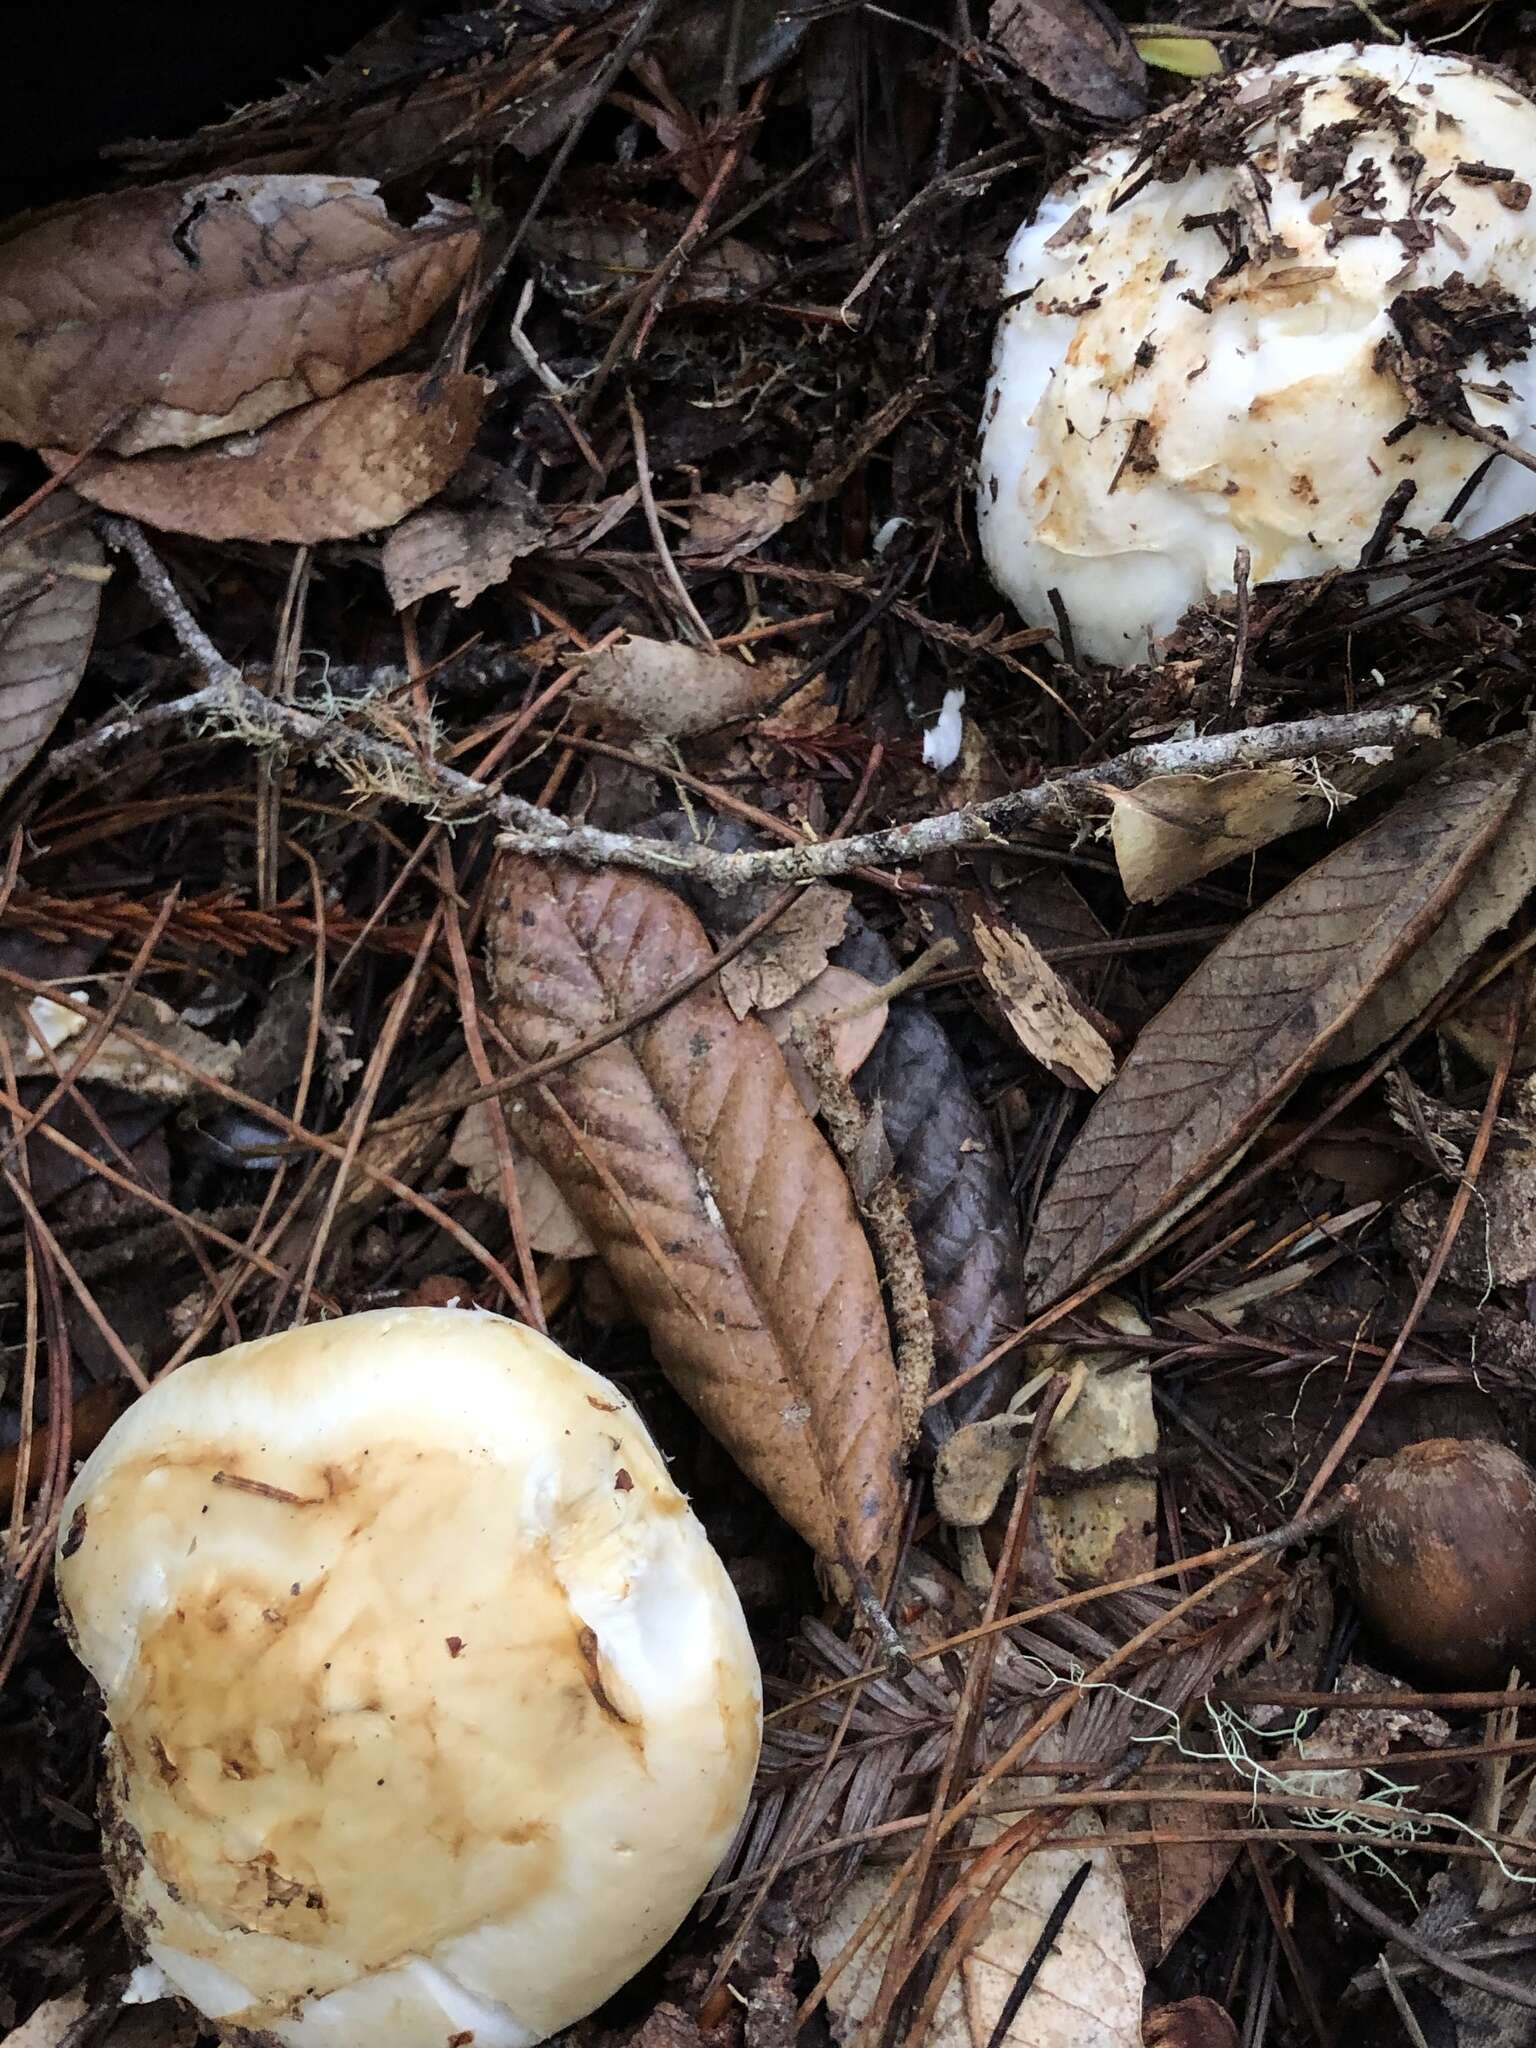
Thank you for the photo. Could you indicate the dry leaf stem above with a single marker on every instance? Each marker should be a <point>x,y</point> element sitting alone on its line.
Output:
<point>884,1210</point>
<point>241,711</point>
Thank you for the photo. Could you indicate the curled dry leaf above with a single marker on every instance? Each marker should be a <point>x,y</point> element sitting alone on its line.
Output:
<point>1089,1989</point>
<point>1042,1010</point>
<point>462,552</point>
<point>1299,979</point>
<point>708,1191</point>
<point>330,471</point>
<point>1176,828</point>
<point>1077,50</point>
<point>551,1225</point>
<point>51,573</point>
<point>728,524</point>
<point>30,1026</point>
<point>663,689</point>
<point>208,309</point>
<point>842,1000</point>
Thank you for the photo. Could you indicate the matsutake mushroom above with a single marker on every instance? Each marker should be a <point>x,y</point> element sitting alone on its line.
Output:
<point>1279,330</point>
<point>430,1708</point>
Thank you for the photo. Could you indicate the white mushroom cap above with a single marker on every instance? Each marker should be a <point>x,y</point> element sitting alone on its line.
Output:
<point>1148,415</point>
<point>431,1708</point>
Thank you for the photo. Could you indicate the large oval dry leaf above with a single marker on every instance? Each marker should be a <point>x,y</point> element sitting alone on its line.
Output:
<point>1216,1064</point>
<point>332,470</point>
<point>709,1192</point>
<point>208,309</point>
<point>962,1210</point>
<point>51,573</point>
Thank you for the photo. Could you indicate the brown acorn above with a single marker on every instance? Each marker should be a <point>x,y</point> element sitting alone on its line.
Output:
<point>1442,1548</point>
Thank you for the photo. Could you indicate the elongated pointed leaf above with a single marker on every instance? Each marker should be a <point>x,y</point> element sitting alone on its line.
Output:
<point>1329,962</point>
<point>685,1152</point>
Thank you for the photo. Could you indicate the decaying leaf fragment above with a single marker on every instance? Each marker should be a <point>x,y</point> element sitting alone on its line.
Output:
<point>1077,50</point>
<point>841,1000</point>
<point>728,524</point>
<point>1097,1501</point>
<point>207,309</point>
<point>790,955</point>
<point>1089,1989</point>
<point>1045,1015</point>
<point>329,471</point>
<point>708,1191</point>
<point>583,258</point>
<point>547,1216</point>
<point>463,552</point>
<point>1176,828</point>
<point>34,1028</point>
<point>51,573</point>
<point>664,689</point>
<point>1340,958</point>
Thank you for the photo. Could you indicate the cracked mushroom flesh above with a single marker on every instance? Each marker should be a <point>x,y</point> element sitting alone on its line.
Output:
<point>1253,326</point>
<point>431,1709</point>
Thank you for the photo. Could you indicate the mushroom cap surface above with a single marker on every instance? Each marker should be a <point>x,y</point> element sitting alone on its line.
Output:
<point>431,1708</point>
<point>1190,358</point>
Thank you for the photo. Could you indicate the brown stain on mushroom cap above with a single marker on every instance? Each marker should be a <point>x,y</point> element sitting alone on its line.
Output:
<point>290,1721</point>
<point>1442,1548</point>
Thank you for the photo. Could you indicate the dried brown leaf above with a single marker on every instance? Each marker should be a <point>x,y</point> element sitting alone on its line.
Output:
<point>1089,1989</point>
<point>463,552</point>
<point>209,309</point>
<point>728,524</point>
<point>1493,892</point>
<point>1042,1010</point>
<point>708,1191</point>
<point>1077,50</point>
<point>329,471</point>
<point>948,1161</point>
<point>1266,1007</point>
<point>51,573</point>
<point>1167,1882</point>
<point>1191,2023</point>
<point>548,1219</point>
<point>664,689</point>
<point>1176,828</point>
<point>837,996</point>
<point>789,955</point>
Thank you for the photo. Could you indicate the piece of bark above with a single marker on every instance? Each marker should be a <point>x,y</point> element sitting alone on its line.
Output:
<point>685,1152</point>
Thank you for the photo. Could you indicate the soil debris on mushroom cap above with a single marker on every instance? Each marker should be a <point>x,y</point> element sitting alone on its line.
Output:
<point>1297,293</point>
